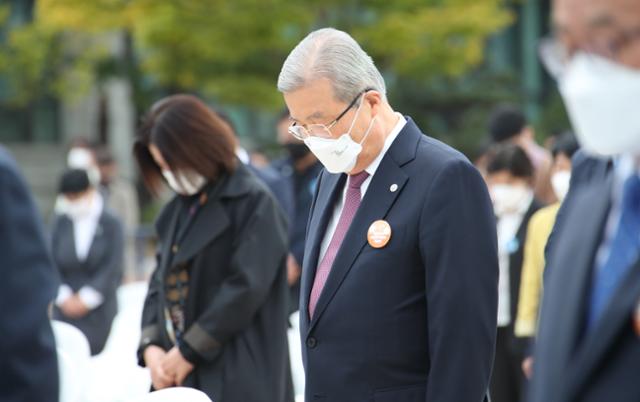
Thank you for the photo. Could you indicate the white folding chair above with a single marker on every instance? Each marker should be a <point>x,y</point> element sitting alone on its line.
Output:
<point>72,341</point>
<point>176,394</point>
<point>74,357</point>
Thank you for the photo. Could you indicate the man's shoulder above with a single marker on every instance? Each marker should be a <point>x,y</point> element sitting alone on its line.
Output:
<point>589,169</point>
<point>434,156</point>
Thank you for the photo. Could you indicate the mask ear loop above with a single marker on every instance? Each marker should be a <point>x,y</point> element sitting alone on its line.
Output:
<point>353,122</point>
<point>368,130</point>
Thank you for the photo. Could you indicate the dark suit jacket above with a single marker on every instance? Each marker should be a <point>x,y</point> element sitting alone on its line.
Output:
<point>415,320</point>
<point>516,257</point>
<point>102,270</point>
<point>571,364</point>
<point>28,364</point>
<point>236,307</point>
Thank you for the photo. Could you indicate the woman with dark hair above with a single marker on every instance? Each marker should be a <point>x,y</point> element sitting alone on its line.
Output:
<point>87,247</point>
<point>510,178</point>
<point>215,316</point>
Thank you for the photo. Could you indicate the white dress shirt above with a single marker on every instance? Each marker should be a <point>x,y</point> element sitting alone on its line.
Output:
<point>508,226</point>
<point>84,231</point>
<point>371,169</point>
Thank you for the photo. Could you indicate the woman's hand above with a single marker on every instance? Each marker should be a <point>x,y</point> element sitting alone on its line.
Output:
<point>176,366</point>
<point>153,357</point>
<point>74,307</point>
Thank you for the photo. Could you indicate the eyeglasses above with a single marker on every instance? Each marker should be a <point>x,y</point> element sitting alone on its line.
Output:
<point>556,56</point>
<point>304,131</point>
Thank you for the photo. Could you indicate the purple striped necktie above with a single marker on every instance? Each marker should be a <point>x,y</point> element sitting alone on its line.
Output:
<point>351,204</point>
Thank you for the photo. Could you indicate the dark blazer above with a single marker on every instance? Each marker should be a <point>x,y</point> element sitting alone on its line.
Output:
<point>28,363</point>
<point>571,365</point>
<point>415,320</point>
<point>236,308</point>
<point>102,270</point>
<point>516,257</point>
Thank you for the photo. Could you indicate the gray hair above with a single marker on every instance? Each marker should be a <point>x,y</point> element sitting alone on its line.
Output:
<point>335,55</point>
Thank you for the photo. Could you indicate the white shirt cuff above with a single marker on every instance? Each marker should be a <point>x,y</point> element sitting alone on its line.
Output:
<point>64,292</point>
<point>90,297</point>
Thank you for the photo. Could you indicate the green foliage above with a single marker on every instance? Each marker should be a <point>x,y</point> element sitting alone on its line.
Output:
<point>233,50</point>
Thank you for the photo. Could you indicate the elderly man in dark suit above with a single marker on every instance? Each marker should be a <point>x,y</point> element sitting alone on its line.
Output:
<point>588,345</point>
<point>400,272</point>
<point>28,364</point>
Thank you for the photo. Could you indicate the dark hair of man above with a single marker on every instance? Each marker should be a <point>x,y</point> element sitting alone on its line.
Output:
<point>506,122</point>
<point>566,144</point>
<point>74,181</point>
<point>189,135</point>
<point>510,158</point>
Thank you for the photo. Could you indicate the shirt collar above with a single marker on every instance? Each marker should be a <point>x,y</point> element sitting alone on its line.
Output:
<point>243,155</point>
<point>373,167</point>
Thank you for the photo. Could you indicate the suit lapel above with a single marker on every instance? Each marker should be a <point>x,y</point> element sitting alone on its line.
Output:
<point>375,205</point>
<point>329,191</point>
<point>94,247</point>
<point>570,274</point>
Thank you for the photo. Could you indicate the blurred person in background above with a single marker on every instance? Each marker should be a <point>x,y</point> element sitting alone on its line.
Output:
<point>82,155</point>
<point>121,198</point>
<point>274,181</point>
<point>215,316</point>
<point>399,279</point>
<point>87,242</point>
<point>510,178</point>
<point>507,124</point>
<point>301,169</point>
<point>537,235</point>
<point>588,343</point>
<point>28,362</point>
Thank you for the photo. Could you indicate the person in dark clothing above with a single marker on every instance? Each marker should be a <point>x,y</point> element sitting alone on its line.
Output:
<point>28,363</point>
<point>510,178</point>
<point>215,316</point>
<point>88,250</point>
<point>300,169</point>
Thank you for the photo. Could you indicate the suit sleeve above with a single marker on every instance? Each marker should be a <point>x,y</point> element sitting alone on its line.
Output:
<point>150,334</point>
<point>458,247</point>
<point>258,256</point>
<point>109,274</point>
<point>28,363</point>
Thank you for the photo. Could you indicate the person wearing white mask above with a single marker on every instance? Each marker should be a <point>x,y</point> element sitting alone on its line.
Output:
<point>87,246</point>
<point>215,316</point>
<point>540,226</point>
<point>588,341</point>
<point>510,177</point>
<point>399,275</point>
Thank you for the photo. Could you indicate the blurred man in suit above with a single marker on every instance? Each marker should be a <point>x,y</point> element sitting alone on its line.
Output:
<point>28,364</point>
<point>588,345</point>
<point>400,271</point>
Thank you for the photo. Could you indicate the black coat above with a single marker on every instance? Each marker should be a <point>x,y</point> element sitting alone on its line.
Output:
<point>28,364</point>
<point>101,270</point>
<point>236,308</point>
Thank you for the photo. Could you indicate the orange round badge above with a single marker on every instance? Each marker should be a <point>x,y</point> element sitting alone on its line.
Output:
<point>379,234</point>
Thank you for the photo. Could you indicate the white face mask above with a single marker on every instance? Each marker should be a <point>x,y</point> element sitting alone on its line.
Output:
<point>81,158</point>
<point>184,183</point>
<point>602,98</point>
<point>508,199</point>
<point>80,208</point>
<point>339,155</point>
<point>560,183</point>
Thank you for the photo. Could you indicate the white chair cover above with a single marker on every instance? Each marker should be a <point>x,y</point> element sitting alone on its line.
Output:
<point>73,361</point>
<point>177,394</point>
